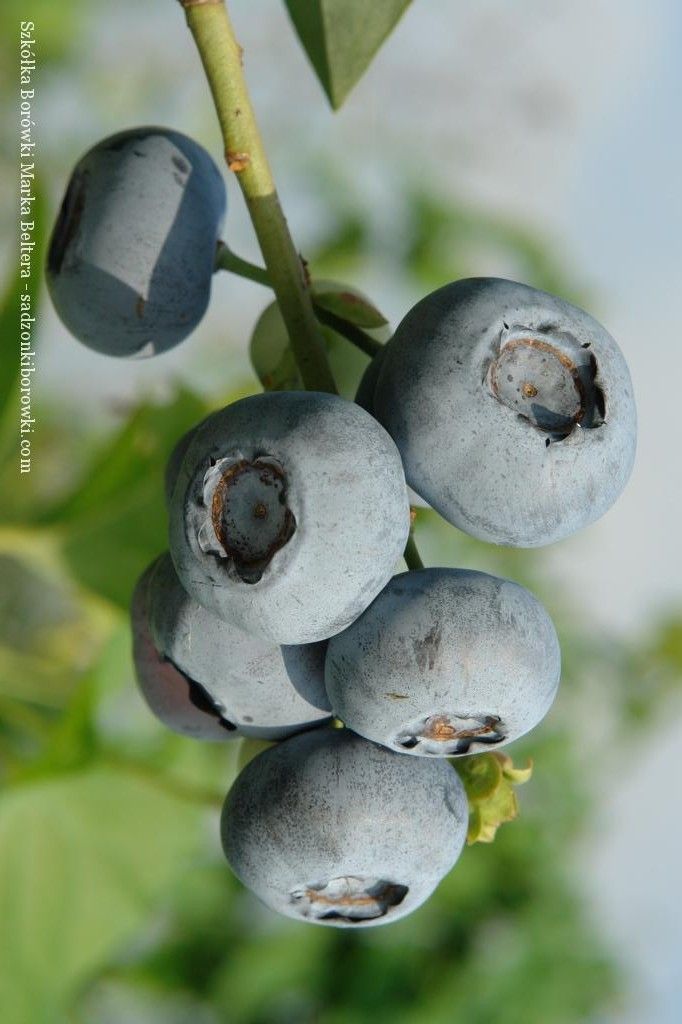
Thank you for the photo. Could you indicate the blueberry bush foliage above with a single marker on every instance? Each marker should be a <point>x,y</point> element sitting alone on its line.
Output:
<point>115,900</point>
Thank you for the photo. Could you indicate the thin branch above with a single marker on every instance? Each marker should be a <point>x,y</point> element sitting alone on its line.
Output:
<point>351,332</point>
<point>225,259</point>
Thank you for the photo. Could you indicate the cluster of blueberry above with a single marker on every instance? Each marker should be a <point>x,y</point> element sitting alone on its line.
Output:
<point>277,613</point>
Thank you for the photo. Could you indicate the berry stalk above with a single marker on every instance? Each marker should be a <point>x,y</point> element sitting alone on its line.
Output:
<point>221,57</point>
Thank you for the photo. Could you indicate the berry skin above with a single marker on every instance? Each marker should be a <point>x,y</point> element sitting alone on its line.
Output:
<point>289,514</point>
<point>131,256</point>
<point>266,691</point>
<point>512,409</point>
<point>445,662</point>
<point>174,463</point>
<point>330,829</point>
<point>364,396</point>
<point>177,701</point>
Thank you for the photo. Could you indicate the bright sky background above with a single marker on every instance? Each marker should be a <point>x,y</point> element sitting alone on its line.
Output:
<point>568,117</point>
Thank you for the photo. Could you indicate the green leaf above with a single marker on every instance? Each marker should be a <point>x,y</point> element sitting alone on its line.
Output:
<point>487,817</point>
<point>273,360</point>
<point>55,33</point>
<point>125,462</point>
<point>83,858</point>
<point>107,552</point>
<point>481,777</point>
<point>271,354</point>
<point>49,634</point>
<point>489,781</point>
<point>115,522</point>
<point>342,36</point>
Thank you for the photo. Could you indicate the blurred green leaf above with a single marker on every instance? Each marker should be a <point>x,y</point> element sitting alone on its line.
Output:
<point>115,522</point>
<point>279,967</point>
<point>108,552</point>
<point>346,241</point>
<point>445,241</point>
<point>666,645</point>
<point>342,36</point>
<point>113,1001</point>
<point>49,633</point>
<point>124,464</point>
<point>57,28</point>
<point>82,860</point>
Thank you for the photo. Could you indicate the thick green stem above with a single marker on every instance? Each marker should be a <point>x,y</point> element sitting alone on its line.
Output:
<point>221,57</point>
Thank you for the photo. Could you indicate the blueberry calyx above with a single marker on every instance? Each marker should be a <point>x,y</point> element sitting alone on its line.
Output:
<point>548,379</point>
<point>446,734</point>
<point>249,519</point>
<point>349,898</point>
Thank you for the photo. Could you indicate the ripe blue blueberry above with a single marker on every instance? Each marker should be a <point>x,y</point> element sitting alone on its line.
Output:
<point>174,463</point>
<point>131,257</point>
<point>445,662</point>
<point>364,396</point>
<point>330,829</point>
<point>264,690</point>
<point>175,699</point>
<point>512,409</point>
<point>288,514</point>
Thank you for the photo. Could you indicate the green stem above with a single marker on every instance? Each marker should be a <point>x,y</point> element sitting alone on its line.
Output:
<point>228,260</point>
<point>351,332</point>
<point>411,554</point>
<point>221,57</point>
<point>225,259</point>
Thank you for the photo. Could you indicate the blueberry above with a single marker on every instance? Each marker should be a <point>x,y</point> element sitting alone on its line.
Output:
<point>176,700</point>
<point>364,396</point>
<point>131,257</point>
<point>265,690</point>
<point>512,409</point>
<point>330,829</point>
<point>173,465</point>
<point>289,514</point>
<point>445,662</point>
